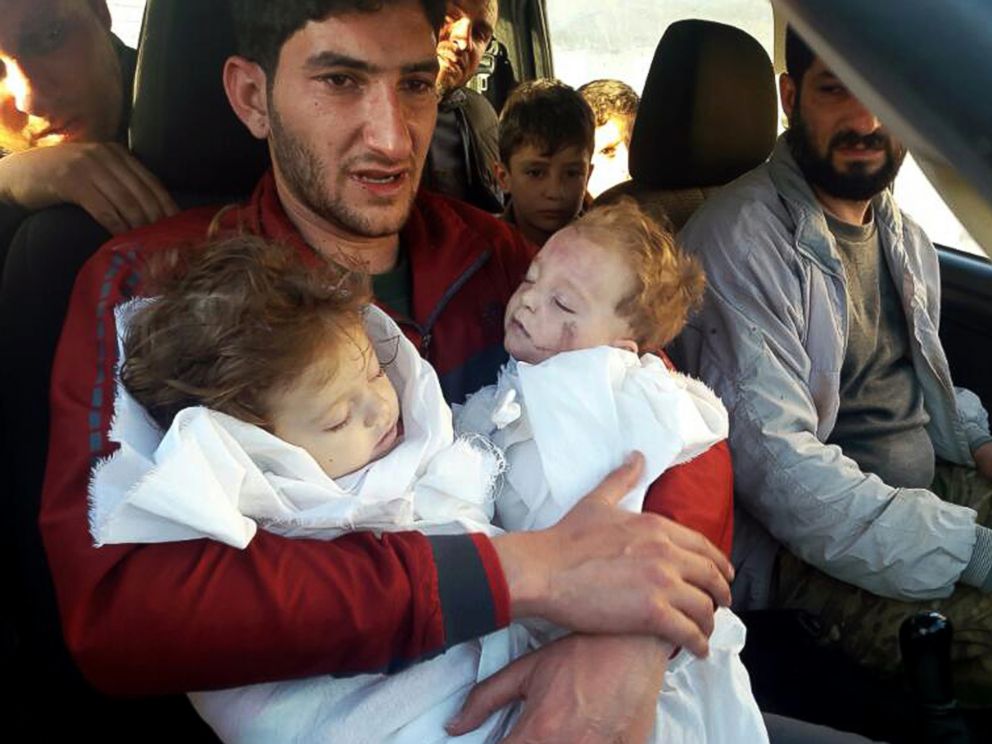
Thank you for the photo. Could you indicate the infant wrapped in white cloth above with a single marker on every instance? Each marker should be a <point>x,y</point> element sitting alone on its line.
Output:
<point>211,475</point>
<point>563,425</point>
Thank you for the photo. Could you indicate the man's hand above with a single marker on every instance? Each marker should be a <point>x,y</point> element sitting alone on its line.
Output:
<point>104,179</point>
<point>983,460</point>
<point>605,570</point>
<point>578,689</point>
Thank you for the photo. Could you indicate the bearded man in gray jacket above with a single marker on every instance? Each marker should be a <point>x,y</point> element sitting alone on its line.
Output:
<point>861,472</point>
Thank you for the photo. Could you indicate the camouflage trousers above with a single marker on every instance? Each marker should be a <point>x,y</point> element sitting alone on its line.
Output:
<point>866,626</point>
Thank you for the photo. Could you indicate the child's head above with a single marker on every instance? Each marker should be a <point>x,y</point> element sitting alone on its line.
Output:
<point>614,105</point>
<point>613,277</point>
<point>545,143</point>
<point>244,327</point>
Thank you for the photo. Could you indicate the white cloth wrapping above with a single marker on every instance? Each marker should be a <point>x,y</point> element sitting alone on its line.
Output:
<point>563,425</point>
<point>211,476</point>
<point>214,476</point>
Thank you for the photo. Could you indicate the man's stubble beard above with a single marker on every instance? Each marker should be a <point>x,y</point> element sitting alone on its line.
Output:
<point>855,184</point>
<point>306,178</point>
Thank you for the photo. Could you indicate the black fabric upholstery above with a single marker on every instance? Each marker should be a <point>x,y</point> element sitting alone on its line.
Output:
<point>182,126</point>
<point>708,110</point>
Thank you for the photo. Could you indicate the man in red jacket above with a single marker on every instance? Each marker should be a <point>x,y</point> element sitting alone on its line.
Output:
<point>345,98</point>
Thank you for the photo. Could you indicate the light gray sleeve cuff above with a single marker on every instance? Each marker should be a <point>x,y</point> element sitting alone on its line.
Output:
<point>979,441</point>
<point>978,573</point>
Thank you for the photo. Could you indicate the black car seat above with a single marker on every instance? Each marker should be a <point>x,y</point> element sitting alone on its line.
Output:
<point>182,129</point>
<point>708,114</point>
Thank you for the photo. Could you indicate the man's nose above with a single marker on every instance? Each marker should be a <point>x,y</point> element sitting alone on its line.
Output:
<point>387,130</point>
<point>461,33</point>
<point>860,119</point>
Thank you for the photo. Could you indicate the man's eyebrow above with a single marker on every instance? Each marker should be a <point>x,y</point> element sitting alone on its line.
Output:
<point>425,65</point>
<point>825,76</point>
<point>323,60</point>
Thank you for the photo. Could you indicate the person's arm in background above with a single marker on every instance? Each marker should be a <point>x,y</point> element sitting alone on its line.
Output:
<point>102,178</point>
<point>199,615</point>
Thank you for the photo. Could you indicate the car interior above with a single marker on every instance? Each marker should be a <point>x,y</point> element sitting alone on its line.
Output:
<point>708,114</point>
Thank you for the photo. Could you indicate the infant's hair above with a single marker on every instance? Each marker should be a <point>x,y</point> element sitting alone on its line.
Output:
<point>669,283</point>
<point>234,321</point>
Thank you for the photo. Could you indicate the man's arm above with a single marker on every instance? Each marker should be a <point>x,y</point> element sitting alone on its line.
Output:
<point>102,178</point>
<point>748,344</point>
<point>699,495</point>
<point>198,615</point>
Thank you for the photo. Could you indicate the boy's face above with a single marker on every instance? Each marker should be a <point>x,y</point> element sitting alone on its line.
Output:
<point>568,299</point>
<point>547,189</point>
<point>609,158</point>
<point>342,410</point>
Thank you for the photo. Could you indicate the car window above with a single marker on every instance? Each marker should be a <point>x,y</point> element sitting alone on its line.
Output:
<point>126,19</point>
<point>591,39</point>
<point>921,201</point>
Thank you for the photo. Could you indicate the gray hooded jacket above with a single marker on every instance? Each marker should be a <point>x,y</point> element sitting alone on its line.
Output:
<point>770,341</point>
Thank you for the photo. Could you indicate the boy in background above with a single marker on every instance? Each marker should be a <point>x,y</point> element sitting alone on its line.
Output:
<point>545,149</point>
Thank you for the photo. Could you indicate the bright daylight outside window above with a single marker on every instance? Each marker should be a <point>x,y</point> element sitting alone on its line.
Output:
<point>591,39</point>
<point>126,18</point>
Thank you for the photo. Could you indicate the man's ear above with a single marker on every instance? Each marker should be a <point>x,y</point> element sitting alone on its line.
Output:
<point>245,85</point>
<point>502,174</point>
<point>627,344</point>
<point>787,92</point>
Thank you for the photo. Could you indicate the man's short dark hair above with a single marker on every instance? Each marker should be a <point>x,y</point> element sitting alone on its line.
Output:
<point>548,115</point>
<point>263,26</point>
<point>611,99</point>
<point>798,56</point>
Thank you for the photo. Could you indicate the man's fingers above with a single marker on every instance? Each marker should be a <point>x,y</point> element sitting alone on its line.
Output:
<point>490,695</point>
<point>166,205</point>
<point>103,210</point>
<point>620,482</point>
<point>128,190</point>
<point>118,199</point>
<point>695,542</point>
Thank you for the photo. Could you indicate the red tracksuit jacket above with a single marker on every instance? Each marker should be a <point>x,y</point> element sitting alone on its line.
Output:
<point>164,618</point>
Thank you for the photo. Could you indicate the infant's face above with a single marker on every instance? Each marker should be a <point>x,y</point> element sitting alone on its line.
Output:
<point>342,410</point>
<point>568,299</point>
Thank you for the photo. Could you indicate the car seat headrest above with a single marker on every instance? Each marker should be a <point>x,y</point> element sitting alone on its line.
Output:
<point>709,109</point>
<point>182,126</point>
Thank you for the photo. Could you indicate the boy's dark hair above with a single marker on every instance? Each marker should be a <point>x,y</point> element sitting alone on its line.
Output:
<point>798,56</point>
<point>235,320</point>
<point>548,115</point>
<point>263,26</point>
<point>612,99</point>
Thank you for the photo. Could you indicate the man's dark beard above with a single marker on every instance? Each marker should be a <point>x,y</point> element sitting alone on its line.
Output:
<point>854,184</point>
<point>306,177</point>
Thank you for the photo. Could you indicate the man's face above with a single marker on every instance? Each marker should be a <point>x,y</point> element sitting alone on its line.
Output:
<point>839,145</point>
<point>351,114</point>
<point>547,190</point>
<point>60,80</point>
<point>468,28</point>
<point>609,158</point>
<point>568,299</point>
